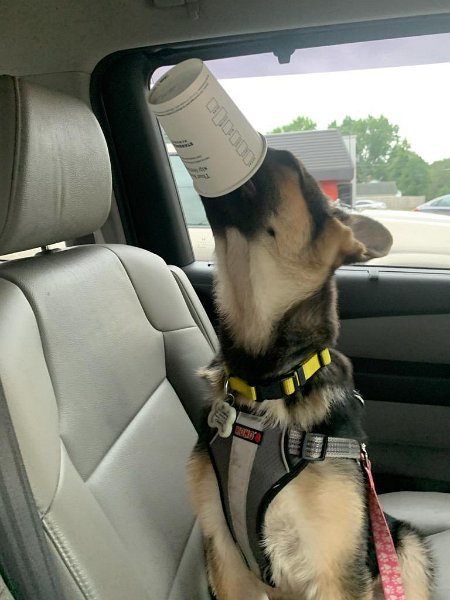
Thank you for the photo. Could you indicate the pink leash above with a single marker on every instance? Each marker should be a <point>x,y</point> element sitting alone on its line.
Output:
<point>387,558</point>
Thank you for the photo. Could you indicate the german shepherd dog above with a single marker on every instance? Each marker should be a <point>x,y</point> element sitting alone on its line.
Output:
<point>278,242</point>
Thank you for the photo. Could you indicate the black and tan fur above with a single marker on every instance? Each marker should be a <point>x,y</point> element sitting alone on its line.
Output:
<point>278,243</point>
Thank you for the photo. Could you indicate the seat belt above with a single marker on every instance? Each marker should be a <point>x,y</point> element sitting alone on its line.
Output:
<point>26,564</point>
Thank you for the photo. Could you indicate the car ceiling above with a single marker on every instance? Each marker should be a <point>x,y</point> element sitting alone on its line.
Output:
<point>51,36</point>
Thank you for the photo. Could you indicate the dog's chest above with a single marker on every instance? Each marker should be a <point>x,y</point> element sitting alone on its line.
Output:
<point>281,513</point>
<point>314,522</point>
<point>250,464</point>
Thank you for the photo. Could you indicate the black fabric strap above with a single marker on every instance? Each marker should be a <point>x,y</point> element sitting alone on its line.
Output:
<point>26,564</point>
<point>269,391</point>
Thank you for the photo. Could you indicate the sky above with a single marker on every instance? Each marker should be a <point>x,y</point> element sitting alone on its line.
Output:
<point>416,98</point>
<point>405,79</point>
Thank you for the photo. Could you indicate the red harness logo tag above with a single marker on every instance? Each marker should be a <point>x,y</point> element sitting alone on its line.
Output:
<point>248,434</point>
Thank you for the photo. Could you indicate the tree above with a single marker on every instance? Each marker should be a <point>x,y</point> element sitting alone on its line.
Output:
<point>409,171</point>
<point>439,184</point>
<point>382,155</point>
<point>300,123</point>
<point>376,138</point>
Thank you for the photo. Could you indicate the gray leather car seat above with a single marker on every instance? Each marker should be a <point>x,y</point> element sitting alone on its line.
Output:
<point>98,351</point>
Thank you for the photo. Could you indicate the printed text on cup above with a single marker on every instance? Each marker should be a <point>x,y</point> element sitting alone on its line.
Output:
<point>220,119</point>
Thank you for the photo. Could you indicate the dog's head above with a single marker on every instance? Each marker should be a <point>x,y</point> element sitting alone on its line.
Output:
<point>278,241</point>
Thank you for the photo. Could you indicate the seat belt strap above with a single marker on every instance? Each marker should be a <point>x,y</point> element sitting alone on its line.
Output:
<point>26,564</point>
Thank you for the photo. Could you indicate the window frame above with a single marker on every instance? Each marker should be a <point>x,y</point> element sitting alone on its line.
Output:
<point>141,166</point>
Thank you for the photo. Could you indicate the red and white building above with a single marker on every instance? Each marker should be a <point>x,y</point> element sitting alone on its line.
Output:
<point>325,156</point>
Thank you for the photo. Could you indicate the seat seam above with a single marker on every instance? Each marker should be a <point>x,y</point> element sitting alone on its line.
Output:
<point>60,545</point>
<point>45,358</point>
<point>68,558</point>
<point>8,277</point>
<point>181,557</point>
<point>52,499</point>
<point>16,153</point>
<point>192,309</point>
<point>180,329</point>
<point>43,343</point>
<point>5,593</point>
<point>194,326</point>
<point>127,425</point>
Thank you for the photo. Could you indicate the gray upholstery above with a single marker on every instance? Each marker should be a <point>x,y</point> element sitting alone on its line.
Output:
<point>430,512</point>
<point>4,592</point>
<point>98,351</point>
<point>55,181</point>
<point>97,348</point>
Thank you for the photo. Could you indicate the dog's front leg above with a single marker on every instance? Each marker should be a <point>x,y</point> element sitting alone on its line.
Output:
<point>229,577</point>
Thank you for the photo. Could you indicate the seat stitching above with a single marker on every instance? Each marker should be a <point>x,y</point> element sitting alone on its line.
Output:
<point>57,537</point>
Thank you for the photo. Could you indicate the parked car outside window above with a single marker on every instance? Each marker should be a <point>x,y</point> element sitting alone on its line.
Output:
<point>364,204</point>
<point>439,205</point>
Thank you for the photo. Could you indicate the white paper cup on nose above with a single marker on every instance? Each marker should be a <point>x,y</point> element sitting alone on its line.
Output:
<point>216,143</point>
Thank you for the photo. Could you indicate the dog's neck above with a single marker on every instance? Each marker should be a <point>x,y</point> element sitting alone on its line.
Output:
<point>308,327</point>
<point>270,318</point>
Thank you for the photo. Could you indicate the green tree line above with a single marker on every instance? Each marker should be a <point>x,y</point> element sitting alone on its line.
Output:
<point>382,155</point>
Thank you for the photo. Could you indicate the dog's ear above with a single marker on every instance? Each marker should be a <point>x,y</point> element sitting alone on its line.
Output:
<point>373,237</point>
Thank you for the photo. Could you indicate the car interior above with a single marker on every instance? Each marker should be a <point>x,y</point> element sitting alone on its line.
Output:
<point>106,315</point>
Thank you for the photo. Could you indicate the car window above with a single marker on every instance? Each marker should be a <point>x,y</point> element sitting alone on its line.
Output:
<point>355,116</point>
<point>444,201</point>
<point>193,210</point>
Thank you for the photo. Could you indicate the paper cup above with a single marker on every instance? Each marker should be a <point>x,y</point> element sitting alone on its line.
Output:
<point>217,144</point>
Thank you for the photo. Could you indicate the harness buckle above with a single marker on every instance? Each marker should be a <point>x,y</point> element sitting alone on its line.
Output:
<point>314,447</point>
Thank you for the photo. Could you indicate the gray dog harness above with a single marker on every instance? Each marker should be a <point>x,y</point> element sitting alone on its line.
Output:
<point>253,464</point>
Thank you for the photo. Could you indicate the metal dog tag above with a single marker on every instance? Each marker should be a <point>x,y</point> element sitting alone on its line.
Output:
<point>222,417</point>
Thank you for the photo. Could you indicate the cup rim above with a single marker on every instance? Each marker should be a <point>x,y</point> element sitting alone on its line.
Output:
<point>169,75</point>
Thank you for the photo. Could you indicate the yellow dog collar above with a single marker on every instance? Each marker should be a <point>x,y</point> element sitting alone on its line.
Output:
<point>286,384</point>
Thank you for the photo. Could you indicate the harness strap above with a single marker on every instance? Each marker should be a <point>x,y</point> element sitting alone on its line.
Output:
<point>316,446</point>
<point>254,464</point>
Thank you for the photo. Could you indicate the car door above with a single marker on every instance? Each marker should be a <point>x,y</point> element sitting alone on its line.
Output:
<point>395,326</point>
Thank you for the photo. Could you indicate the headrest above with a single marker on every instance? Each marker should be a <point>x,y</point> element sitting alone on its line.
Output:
<point>55,174</point>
